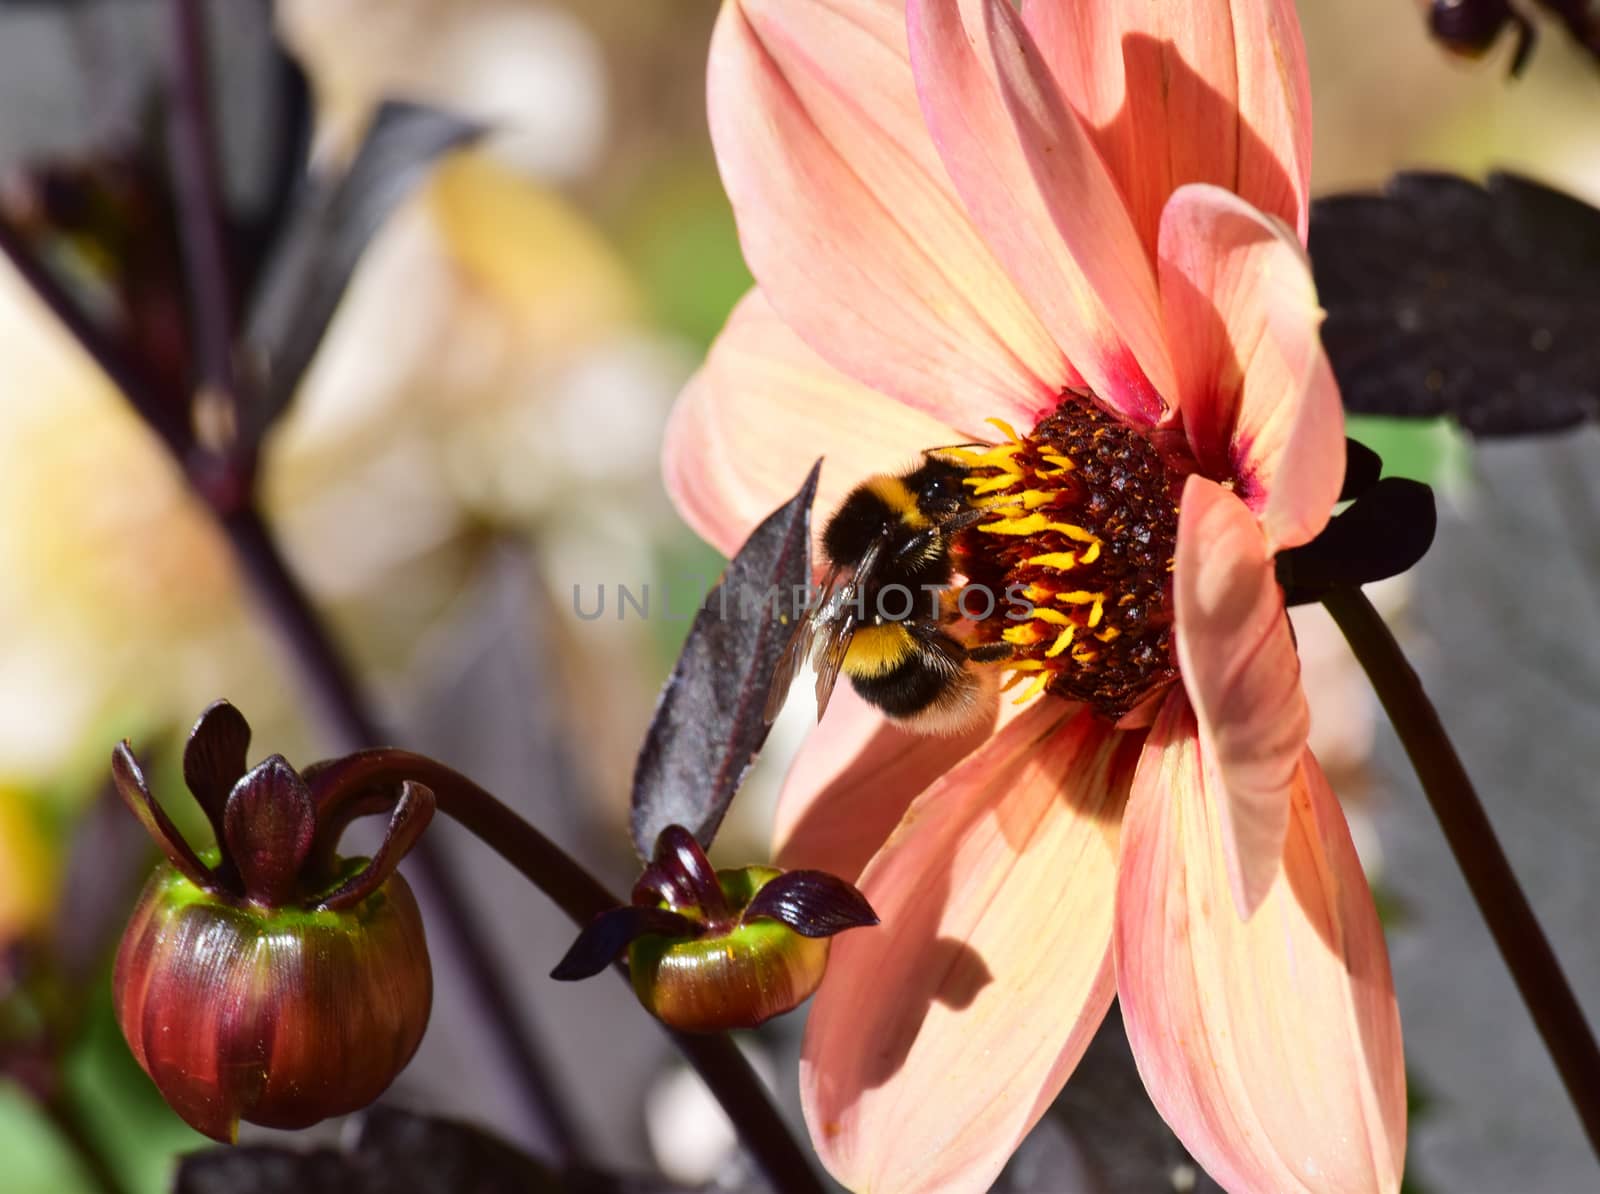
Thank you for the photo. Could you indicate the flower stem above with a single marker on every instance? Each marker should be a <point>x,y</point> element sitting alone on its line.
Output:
<point>1500,899</point>
<point>582,897</point>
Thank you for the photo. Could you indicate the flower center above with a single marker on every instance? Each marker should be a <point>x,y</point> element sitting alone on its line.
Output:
<point>1078,555</point>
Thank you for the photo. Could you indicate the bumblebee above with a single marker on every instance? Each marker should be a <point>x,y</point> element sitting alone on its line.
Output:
<point>884,608</point>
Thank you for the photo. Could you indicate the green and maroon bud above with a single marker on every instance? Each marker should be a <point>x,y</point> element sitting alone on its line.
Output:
<point>270,980</point>
<point>712,950</point>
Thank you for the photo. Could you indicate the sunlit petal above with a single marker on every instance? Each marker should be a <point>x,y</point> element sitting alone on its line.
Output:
<point>1242,675</point>
<point>1177,93</point>
<point>1270,1046</point>
<point>1066,238</point>
<point>760,411</point>
<point>939,1038</point>
<point>1258,398</point>
<point>848,220</point>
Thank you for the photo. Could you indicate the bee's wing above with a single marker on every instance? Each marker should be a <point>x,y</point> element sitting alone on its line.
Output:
<point>798,648</point>
<point>829,659</point>
<point>840,616</point>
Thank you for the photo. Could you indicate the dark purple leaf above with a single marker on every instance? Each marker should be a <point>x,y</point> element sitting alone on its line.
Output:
<point>812,903</point>
<point>135,793</point>
<point>214,758</point>
<point>710,720</point>
<point>1385,532</point>
<point>1446,298</point>
<point>315,259</point>
<point>412,813</point>
<point>268,826</point>
<point>607,935</point>
<point>1362,468</point>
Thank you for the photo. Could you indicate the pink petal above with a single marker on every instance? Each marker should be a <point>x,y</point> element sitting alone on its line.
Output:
<point>853,780</point>
<point>1067,238</point>
<point>938,1039</point>
<point>1259,401</point>
<point>1177,93</point>
<point>1242,675</point>
<point>847,218</point>
<point>1271,1046</point>
<point>762,409</point>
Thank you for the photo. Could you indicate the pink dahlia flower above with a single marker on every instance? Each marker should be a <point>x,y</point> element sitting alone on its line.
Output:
<point>1088,215</point>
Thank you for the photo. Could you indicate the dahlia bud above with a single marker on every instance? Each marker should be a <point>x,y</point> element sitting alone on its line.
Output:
<point>713,950</point>
<point>272,981</point>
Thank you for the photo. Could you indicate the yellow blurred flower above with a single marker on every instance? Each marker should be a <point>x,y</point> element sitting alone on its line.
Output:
<point>27,868</point>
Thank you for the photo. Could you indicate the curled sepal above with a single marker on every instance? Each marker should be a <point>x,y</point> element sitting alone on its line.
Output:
<point>812,903</point>
<point>411,815</point>
<point>680,876</point>
<point>130,784</point>
<point>214,759</point>
<point>612,932</point>
<point>1362,468</point>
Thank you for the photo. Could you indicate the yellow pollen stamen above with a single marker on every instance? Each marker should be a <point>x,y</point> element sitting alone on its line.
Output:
<point>1026,635</point>
<point>1033,689</point>
<point>1109,634</point>
<point>1059,560</point>
<point>1064,464</point>
<point>1063,641</point>
<point>992,484</point>
<point>1092,552</point>
<point>1007,430</point>
<point>1035,523</point>
<point>1053,616</point>
<point>1096,614</point>
<point>1080,597</point>
<point>1085,655</point>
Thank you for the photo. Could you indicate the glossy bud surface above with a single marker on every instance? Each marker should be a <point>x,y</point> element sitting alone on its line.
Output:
<point>740,978</point>
<point>280,1017</point>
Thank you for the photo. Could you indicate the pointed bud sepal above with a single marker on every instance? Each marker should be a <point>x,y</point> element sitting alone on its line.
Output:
<point>714,950</point>
<point>269,980</point>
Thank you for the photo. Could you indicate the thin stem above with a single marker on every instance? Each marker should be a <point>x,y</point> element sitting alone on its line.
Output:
<point>1500,899</point>
<point>582,897</point>
<point>197,188</point>
<point>339,706</point>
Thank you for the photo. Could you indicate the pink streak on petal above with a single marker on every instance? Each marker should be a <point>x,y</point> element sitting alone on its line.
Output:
<point>847,218</point>
<point>1259,401</point>
<point>1242,675</point>
<point>938,1039</point>
<point>763,407</point>
<point>1271,1046</point>
<point>1179,93</point>
<point>853,780</point>
<point>960,95</point>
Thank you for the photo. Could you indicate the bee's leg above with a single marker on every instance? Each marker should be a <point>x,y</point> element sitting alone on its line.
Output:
<point>990,652</point>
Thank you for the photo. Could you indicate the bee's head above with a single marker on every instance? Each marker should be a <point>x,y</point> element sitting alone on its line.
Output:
<point>938,488</point>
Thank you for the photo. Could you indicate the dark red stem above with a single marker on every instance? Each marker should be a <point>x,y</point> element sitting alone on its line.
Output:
<point>1500,898</point>
<point>582,897</point>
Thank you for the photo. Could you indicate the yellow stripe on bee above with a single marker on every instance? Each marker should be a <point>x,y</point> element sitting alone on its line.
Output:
<point>878,650</point>
<point>897,495</point>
